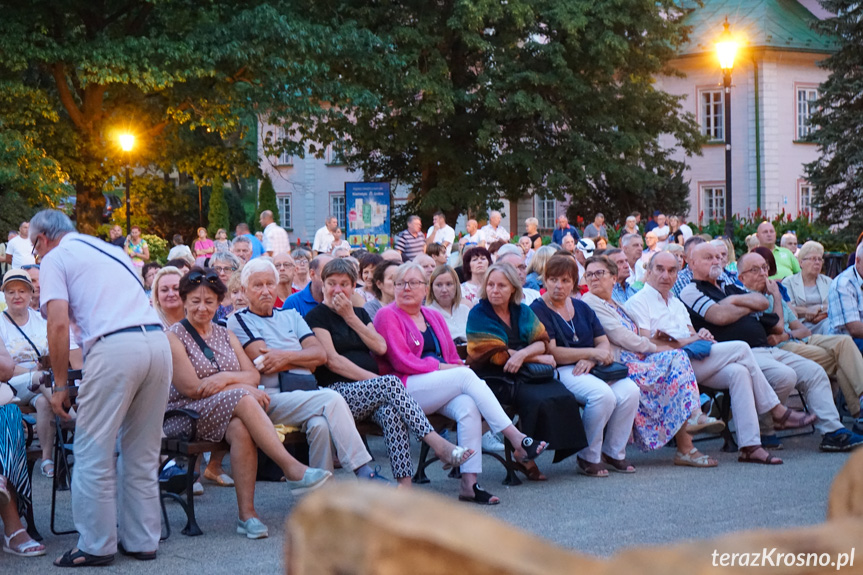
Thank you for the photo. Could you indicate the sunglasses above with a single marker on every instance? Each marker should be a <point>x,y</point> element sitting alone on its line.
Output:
<point>211,277</point>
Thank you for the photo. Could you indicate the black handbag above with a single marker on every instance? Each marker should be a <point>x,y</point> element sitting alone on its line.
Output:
<point>297,381</point>
<point>611,372</point>
<point>535,373</point>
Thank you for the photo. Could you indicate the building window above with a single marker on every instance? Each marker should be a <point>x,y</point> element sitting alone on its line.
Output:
<point>335,154</point>
<point>545,212</point>
<point>805,194</point>
<point>284,159</point>
<point>337,209</point>
<point>712,114</point>
<point>805,106</point>
<point>285,214</point>
<point>714,202</point>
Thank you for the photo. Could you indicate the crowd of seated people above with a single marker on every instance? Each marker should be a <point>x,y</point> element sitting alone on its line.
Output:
<point>322,343</point>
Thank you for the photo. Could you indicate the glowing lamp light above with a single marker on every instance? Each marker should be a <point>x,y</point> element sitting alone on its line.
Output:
<point>127,142</point>
<point>726,48</point>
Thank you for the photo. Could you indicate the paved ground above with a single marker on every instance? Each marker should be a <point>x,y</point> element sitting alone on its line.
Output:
<point>659,504</point>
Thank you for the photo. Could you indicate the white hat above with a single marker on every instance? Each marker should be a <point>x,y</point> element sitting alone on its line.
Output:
<point>586,246</point>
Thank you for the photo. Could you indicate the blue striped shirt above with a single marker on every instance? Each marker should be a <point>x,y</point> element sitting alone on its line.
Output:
<point>845,300</point>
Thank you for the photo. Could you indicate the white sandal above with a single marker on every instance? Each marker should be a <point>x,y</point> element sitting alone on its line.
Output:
<point>457,458</point>
<point>48,474</point>
<point>29,548</point>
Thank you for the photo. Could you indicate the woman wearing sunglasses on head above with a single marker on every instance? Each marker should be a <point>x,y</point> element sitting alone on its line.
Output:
<point>213,376</point>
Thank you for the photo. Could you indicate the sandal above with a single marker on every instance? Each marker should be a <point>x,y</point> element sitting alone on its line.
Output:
<point>748,455</point>
<point>694,459</point>
<point>139,555</point>
<point>220,479</point>
<point>457,457</point>
<point>532,473</point>
<point>793,419</point>
<point>480,496</point>
<point>49,473</point>
<point>618,465</point>
<point>29,548</point>
<point>532,448</point>
<point>590,469</point>
<point>71,559</point>
<point>704,424</point>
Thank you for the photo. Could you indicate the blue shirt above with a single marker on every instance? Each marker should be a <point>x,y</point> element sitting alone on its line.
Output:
<point>845,300</point>
<point>621,294</point>
<point>558,234</point>
<point>302,301</point>
<point>580,331</point>
<point>257,247</point>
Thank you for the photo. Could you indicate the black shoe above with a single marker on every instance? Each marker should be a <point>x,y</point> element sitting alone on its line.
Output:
<point>858,427</point>
<point>841,440</point>
<point>139,555</point>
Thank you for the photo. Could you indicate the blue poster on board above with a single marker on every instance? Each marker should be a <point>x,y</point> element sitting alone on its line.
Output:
<point>368,213</point>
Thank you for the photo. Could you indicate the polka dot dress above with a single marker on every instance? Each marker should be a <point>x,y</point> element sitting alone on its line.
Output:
<point>217,410</point>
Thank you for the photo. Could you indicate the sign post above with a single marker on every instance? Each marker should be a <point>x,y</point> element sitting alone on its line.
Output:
<point>368,214</point>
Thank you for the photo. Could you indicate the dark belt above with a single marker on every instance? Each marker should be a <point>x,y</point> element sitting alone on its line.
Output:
<point>134,328</point>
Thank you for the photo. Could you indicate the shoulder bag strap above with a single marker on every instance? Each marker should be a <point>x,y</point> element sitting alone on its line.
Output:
<point>208,353</point>
<point>244,326</point>
<point>125,267</point>
<point>21,331</point>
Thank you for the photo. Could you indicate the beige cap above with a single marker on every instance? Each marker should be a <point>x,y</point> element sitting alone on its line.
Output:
<point>16,276</point>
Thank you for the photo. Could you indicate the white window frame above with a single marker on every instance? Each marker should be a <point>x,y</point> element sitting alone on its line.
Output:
<point>711,114</point>
<point>338,212</point>
<point>713,201</point>
<point>804,199</point>
<point>546,212</point>
<point>284,159</point>
<point>285,214</point>
<point>804,99</point>
<point>333,156</point>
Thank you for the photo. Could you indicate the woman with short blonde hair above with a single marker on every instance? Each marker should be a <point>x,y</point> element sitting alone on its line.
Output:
<point>166,296</point>
<point>532,225</point>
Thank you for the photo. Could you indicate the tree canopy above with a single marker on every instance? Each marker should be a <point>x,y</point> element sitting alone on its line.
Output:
<point>186,77</point>
<point>495,99</point>
<point>837,176</point>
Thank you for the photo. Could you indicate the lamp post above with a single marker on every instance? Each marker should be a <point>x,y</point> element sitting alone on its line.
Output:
<point>726,48</point>
<point>127,141</point>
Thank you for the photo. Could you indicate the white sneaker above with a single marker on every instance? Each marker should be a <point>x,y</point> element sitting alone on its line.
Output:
<point>490,442</point>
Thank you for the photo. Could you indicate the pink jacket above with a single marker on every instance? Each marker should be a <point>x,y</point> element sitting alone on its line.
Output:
<point>405,342</point>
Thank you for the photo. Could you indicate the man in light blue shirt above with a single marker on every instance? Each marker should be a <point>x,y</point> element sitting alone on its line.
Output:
<point>845,301</point>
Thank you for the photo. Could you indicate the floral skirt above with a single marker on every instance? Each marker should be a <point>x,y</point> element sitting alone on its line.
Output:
<point>669,394</point>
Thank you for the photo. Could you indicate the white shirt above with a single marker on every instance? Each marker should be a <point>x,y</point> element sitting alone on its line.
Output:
<point>21,251</point>
<point>475,239</point>
<point>19,348</point>
<point>491,235</point>
<point>530,295</point>
<point>445,235</point>
<point>651,312</point>
<point>323,237</point>
<point>180,252</point>
<point>456,320</point>
<point>276,239</point>
<point>661,231</point>
<point>102,297</point>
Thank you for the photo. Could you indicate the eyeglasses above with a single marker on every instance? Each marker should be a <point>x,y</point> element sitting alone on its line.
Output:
<point>222,270</point>
<point>765,268</point>
<point>30,267</point>
<point>813,259</point>
<point>36,243</point>
<point>196,277</point>
<point>413,284</point>
<point>285,266</point>
<point>597,274</point>
<point>302,262</point>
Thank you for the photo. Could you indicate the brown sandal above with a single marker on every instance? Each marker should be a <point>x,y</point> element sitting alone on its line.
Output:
<point>532,473</point>
<point>798,420</point>
<point>591,469</point>
<point>618,465</point>
<point>747,455</point>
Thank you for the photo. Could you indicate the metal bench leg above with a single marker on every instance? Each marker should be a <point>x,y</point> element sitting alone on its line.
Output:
<point>191,529</point>
<point>508,463</point>
<point>31,521</point>
<point>62,476</point>
<point>420,475</point>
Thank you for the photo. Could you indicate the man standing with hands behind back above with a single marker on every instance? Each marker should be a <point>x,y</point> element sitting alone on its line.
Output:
<point>122,398</point>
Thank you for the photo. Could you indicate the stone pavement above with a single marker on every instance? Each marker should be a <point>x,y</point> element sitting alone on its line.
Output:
<point>660,504</point>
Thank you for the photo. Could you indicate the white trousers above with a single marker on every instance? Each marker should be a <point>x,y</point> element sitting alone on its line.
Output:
<point>785,371</point>
<point>461,395</point>
<point>608,408</point>
<point>121,404</point>
<point>731,366</point>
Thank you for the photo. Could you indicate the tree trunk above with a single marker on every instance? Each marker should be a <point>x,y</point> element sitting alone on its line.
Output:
<point>89,208</point>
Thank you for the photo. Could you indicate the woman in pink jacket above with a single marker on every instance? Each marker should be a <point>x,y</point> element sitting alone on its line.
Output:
<point>421,352</point>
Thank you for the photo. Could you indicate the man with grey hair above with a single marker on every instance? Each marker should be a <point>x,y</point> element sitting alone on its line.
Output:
<point>845,301</point>
<point>728,365</point>
<point>622,290</point>
<point>411,241</point>
<point>242,230</point>
<point>632,245</point>
<point>324,236</point>
<point>493,231</point>
<point>127,373</point>
<point>513,255</point>
<point>243,248</point>
<point>276,239</point>
<point>597,229</point>
<point>684,276</point>
<point>285,351</point>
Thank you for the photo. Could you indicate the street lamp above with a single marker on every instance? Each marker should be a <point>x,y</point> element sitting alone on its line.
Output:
<point>127,141</point>
<point>726,49</point>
